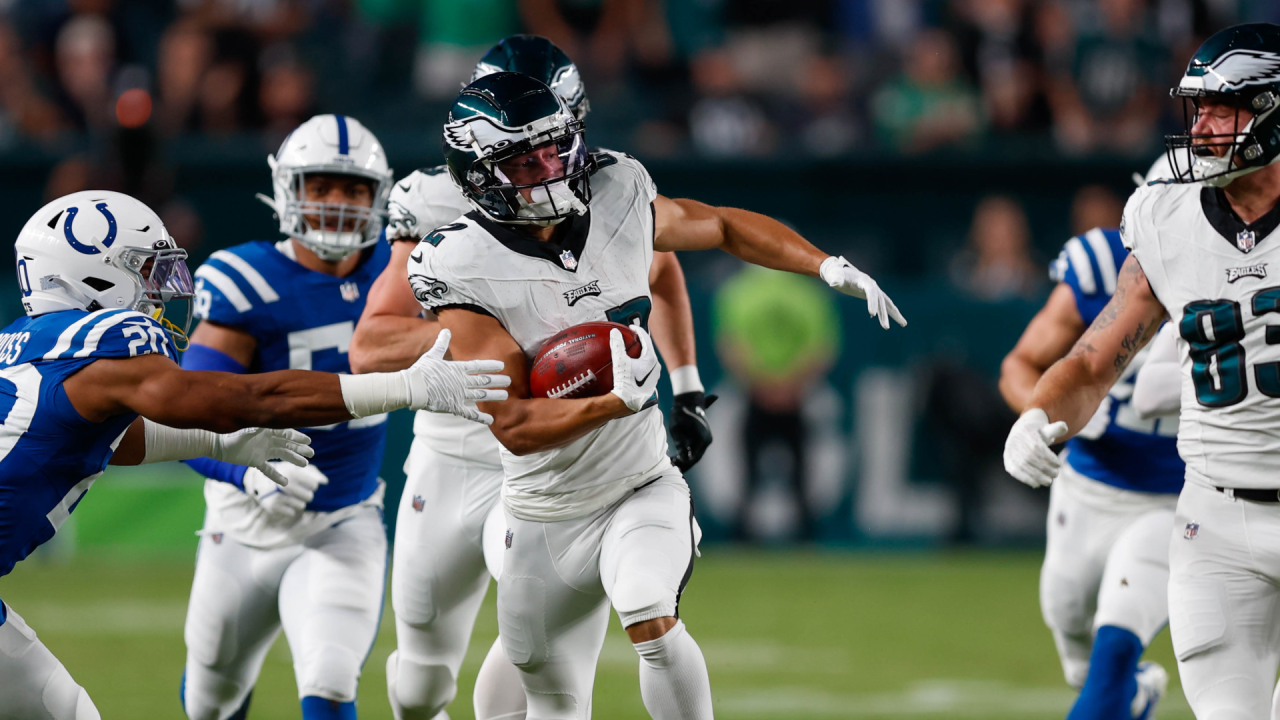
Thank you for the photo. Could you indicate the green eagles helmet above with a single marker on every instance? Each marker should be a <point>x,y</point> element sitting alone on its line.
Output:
<point>1239,66</point>
<point>504,115</point>
<point>538,58</point>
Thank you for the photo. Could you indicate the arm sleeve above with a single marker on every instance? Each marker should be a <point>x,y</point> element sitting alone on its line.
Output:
<point>203,357</point>
<point>1157,389</point>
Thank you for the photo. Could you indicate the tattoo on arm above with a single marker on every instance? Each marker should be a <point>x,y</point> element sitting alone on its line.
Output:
<point>1132,342</point>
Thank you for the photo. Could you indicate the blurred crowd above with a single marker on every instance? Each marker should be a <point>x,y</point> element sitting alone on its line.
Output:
<point>723,78</point>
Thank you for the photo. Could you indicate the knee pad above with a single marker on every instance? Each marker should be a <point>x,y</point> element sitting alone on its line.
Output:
<point>207,695</point>
<point>638,598</point>
<point>331,672</point>
<point>417,690</point>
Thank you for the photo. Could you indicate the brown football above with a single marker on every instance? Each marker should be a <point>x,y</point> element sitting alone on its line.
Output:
<point>577,363</point>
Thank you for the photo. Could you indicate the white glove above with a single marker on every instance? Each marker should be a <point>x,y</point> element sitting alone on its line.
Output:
<point>284,503</point>
<point>841,275</point>
<point>256,446</point>
<point>1027,456</point>
<point>635,380</point>
<point>455,387</point>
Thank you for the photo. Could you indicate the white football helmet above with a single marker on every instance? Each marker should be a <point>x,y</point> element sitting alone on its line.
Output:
<point>90,250</point>
<point>337,145</point>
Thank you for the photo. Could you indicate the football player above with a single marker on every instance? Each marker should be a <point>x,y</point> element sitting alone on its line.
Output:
<point>595,510</point>
<point>450,502</point>
<point>88,379</point>
<point>1201,246</point>
<point>1104,583</point>
<point>310,557</point>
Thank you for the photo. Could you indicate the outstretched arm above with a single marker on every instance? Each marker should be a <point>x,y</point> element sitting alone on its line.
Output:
<point>524,424</point>
<point>761,240</point>
<point>391,334</point>
<point>1048,338</point>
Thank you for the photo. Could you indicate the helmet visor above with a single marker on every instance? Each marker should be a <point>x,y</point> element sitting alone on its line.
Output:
<point>169,278</point>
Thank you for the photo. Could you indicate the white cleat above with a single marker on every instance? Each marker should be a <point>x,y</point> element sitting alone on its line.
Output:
<point>1152,683</point>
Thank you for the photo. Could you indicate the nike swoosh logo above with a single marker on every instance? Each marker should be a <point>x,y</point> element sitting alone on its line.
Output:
<point>416,257</point>
<point>405,187</point>
<point>646,377</point>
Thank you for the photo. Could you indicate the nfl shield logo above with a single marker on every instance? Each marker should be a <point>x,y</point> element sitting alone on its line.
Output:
<point>216,538</point>
<point>418,502</point>
<point>1192,530</point>
<point>1246,240</point>
<point>350,291</point>
<point>568,260</point>
<point>508,538</point>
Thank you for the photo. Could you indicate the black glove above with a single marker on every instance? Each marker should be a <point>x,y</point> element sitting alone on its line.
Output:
<point>689,428</point>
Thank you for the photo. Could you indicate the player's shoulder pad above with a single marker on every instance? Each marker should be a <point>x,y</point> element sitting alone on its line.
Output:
<point>613,166</point>
<point>424,199</point>
<point>1090,262</point>
<point>111,334</point>
<point>1149,206</point>
<point>446,261</point>
<point>232,283</point>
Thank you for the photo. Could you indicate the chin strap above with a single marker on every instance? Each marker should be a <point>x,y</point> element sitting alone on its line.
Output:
<point>180,340</point>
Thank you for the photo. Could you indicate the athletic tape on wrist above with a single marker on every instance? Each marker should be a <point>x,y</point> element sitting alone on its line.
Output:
<point>374,394</point>
<point>164,443</point>
<point>685,380</point>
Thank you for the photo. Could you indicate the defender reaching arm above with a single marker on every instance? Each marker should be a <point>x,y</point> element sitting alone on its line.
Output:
<point>1047,339</point>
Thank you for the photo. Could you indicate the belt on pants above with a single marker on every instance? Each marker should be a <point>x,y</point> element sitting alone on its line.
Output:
<point>1252,494</point>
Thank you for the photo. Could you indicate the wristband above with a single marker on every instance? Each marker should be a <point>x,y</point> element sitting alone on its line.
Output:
<point>164,443</point>
<point>685,380</point>
<point>374,393</point>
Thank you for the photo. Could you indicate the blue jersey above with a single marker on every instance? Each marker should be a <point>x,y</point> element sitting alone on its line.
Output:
<point>49,454</point>
<point>302,320</point>
<point>1132,453</point>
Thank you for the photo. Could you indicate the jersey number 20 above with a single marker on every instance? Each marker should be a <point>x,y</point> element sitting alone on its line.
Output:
<point>1214,330</point>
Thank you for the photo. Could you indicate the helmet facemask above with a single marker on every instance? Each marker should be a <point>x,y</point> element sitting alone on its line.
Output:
<point>548,202</point>
<point>332,231</point>
<point>1194,157</point>
<point>162,276</point>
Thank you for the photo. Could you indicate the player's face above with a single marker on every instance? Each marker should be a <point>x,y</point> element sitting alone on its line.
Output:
<point>334,189</point>
<point>538,165</point>
<point>1214,117</point>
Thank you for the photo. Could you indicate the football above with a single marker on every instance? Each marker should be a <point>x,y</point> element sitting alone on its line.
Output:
<point>577,363</point>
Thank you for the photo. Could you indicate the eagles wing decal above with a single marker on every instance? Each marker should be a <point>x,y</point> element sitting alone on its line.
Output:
<point>426,289</point>
<point>483,130</point>
<point>568,84</point>
<point>1241,67</point>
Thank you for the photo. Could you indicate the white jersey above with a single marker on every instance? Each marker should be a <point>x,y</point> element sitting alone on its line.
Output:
<point>425,200</point>
<point>597,270</point>
<point>1210,271</point>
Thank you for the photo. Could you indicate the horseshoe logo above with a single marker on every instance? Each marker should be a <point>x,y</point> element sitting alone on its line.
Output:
<point>90,249</point>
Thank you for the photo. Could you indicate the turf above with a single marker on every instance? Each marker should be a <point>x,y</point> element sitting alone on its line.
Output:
<point>786,635</point>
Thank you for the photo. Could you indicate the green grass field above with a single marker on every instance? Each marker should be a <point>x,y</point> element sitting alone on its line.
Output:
<point>786,635</point>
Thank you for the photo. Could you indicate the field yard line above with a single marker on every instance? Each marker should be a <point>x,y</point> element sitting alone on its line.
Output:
<point>108,617</point>
<point>934,697</point>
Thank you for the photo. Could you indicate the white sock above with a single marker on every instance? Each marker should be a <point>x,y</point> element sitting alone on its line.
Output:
<point>673,677</point>
<point>499,694</point>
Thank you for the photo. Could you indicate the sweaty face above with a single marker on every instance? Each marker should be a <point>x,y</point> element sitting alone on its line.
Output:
<point>335,190</point>
<point>1214,117</point>
<point>537,165</point>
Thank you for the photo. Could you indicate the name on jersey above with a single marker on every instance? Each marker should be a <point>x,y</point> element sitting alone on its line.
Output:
<point>11,345</point>
<point>576,294</point>
<point>427,288</point>
<point>1258,271</point>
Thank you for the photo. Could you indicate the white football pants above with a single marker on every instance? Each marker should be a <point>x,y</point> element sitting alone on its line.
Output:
<point>1106,562</point>
<point>1224,605</point>
<point>449,535</point>
<point>33,683</point>
<point>326,593</point>
<point>558,580</point>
